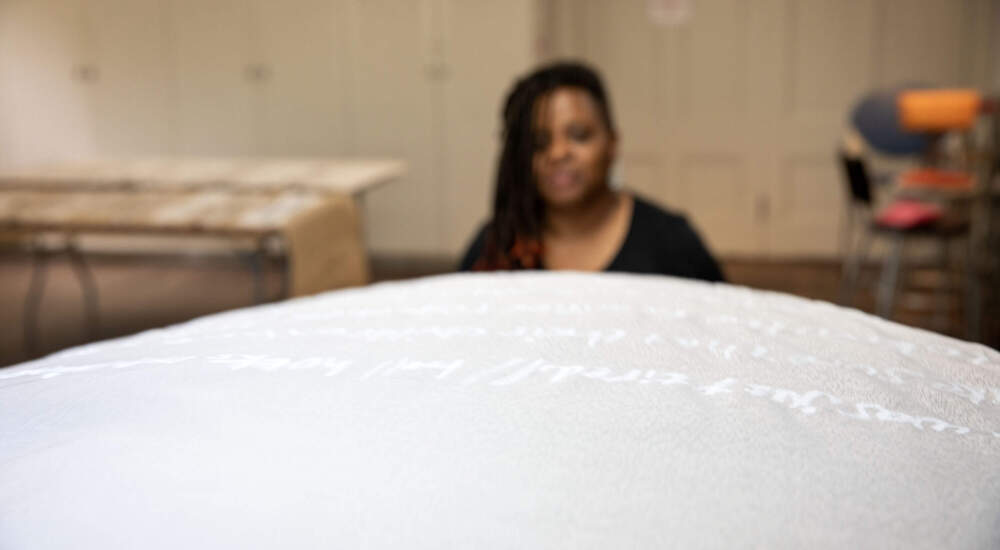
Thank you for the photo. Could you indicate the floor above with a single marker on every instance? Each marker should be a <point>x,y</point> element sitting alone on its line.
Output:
<point>137,295</point>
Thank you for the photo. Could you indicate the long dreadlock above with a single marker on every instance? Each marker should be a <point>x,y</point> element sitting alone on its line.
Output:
<point>513,238</point>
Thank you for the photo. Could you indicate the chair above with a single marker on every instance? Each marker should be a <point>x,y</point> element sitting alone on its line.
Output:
<point>908,122</point>
<point>900,221</point>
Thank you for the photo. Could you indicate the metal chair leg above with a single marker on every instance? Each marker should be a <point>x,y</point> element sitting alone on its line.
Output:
<point>33,300</point>
<point>890,275</point>
<point>973,300</point>
<point>852,270</point>
<point>849,252</point>
<point>88,285</point>
<point>847,232</point>
<point>942,310</point>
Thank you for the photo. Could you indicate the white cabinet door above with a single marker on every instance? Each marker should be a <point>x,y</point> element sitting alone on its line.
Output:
<point>302,97</point>
<point>393,98</point>
<point>214,77</point>
<point>828,64</point>
<point>220,77</point>
<point>133,86</point>
<point>44,78</point>
<point>487,45</point>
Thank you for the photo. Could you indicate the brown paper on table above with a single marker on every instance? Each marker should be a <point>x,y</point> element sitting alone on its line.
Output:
<point>325,248</point>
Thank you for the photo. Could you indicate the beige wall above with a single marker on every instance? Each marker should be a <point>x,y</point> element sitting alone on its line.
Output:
<point>42,111</point>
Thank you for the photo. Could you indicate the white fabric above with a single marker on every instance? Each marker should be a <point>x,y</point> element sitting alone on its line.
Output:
<point>507,411</point>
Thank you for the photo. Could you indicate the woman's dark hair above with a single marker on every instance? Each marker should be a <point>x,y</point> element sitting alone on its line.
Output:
<point>513,238</point>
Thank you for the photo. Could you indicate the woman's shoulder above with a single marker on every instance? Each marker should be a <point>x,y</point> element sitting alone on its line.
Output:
<point>667,233</point>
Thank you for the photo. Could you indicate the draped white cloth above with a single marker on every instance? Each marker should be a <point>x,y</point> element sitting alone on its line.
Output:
<point>509,410</point>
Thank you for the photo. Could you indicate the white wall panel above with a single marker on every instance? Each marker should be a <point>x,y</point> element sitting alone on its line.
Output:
<point>713,194</point>
<point>393,102</point>
<point>807,207</point>
<point>713,69</point>
<point>828,55</point>
<point>45,111</point>
<point>302,96</point>
<point>921,41</point>
<point>133,91</point>
<point>215,100</point>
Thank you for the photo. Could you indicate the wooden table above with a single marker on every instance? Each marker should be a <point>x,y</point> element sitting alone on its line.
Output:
<point>351,177</point>
<point>308,204</point>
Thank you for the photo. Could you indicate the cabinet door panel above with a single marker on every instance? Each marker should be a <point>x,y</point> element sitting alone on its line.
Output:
<point>133,89</point>
<point>303,96</point>
<point>393,106</point>
<point>214,96</point>
<point>44,82</point>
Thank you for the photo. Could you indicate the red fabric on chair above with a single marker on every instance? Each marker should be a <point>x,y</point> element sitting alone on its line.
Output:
<point>908,214</point>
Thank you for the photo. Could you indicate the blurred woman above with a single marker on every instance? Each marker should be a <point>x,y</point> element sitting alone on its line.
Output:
<point>554,207</point>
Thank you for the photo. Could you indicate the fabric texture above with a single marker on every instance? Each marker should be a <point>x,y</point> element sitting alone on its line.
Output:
<point>510,410</point>
<point>657,242</point>
<point>325,247</point>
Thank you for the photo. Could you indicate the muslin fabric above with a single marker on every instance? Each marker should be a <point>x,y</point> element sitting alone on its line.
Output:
<point>530,410</point>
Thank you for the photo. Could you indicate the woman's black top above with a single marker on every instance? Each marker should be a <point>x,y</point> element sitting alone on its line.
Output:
<point>658,241</point>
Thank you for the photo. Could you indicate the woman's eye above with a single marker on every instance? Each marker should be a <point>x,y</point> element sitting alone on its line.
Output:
<point>541,143</point>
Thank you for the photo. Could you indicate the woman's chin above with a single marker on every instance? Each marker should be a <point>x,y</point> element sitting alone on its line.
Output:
<point>566,197</point>
<point>562,195</point>
<point>563,201</point>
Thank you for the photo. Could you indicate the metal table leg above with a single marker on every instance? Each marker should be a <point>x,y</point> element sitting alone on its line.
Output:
<point>88,286</point>
<point>973,300</point>
<point>33,300</point>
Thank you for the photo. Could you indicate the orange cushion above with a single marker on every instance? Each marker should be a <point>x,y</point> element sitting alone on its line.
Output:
<point>938,110</point>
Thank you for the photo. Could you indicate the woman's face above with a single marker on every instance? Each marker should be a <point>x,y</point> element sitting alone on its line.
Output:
<point>573,148</point>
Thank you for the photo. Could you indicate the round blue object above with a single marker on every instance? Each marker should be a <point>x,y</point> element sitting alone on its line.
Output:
<point>876,117</point>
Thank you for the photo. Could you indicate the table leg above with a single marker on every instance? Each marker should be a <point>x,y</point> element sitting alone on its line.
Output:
<point>33,300</point>
<point>88,285</point>
<point>286,273</point>
<point>257,265</point>
<point>359,202</point>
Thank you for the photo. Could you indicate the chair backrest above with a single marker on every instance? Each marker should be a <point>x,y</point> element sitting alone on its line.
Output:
<point>877,118</point>
<point>859,184</point>
<point>938,110</point>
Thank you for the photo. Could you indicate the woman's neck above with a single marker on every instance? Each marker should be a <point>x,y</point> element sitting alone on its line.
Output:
<point>580,220</point>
